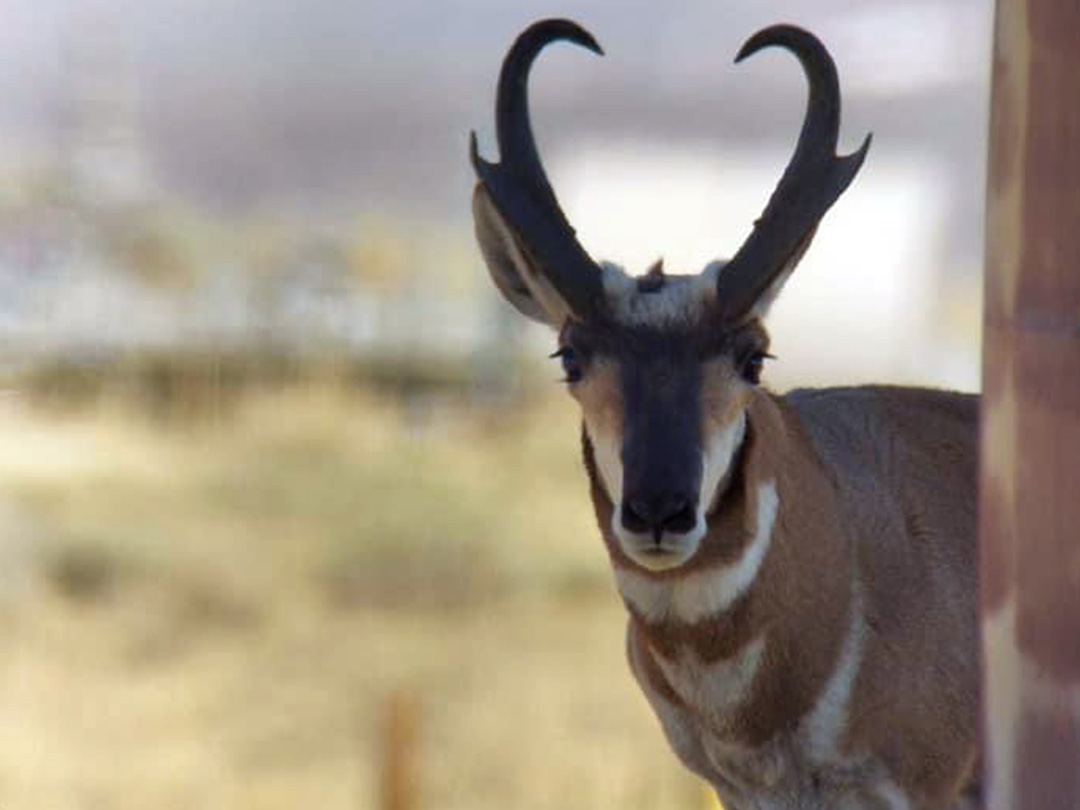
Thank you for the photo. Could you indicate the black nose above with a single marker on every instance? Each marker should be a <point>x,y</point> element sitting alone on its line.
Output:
<point>659,512</point>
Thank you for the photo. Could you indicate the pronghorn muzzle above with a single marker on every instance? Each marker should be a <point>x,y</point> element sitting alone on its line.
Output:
<point>661,455</point>
<point>659,511</point>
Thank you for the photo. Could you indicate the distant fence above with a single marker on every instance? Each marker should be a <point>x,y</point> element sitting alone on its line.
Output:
<point>71,334</point>
<point>399,778</point>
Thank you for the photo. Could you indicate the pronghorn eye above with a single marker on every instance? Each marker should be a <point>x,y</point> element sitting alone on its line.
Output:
<point>751,369</point>
<point>570,364</point>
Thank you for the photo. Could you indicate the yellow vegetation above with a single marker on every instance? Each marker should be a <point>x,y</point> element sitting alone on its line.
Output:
<point>224,615</point>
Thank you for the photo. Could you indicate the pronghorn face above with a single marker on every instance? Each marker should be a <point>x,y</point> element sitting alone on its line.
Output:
<point>663,389</point>
<point>663,366</point>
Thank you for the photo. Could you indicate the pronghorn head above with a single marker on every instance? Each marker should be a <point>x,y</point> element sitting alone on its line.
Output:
<point>663,366</point>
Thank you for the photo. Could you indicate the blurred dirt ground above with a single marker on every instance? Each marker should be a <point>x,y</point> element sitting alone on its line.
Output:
<point>222,613</point>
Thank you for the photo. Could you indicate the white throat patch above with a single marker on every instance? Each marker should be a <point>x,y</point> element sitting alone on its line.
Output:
<point>708,592</point>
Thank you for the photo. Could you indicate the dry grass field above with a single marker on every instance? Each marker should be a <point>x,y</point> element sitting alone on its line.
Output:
<point>221,613</point>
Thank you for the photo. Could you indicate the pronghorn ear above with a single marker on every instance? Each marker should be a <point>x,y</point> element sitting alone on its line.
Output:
<point>514,271</point>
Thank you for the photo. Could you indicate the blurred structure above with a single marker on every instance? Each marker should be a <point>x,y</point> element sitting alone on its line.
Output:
<point>300,186</point>
<point>401,765</point>
<point>1031,412</point>
<point>100,138</point>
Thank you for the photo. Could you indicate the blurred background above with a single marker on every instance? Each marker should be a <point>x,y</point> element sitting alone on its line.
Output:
<point>291,511</point>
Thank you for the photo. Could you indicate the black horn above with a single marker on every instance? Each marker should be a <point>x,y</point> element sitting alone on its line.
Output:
<point>811,183</point>
<point>518,184</point>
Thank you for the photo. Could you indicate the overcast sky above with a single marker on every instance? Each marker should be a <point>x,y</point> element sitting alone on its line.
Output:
<point>332,102</point>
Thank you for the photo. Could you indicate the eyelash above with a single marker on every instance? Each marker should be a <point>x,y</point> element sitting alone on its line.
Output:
<point>570,364</point>
<point>750,371</point>
<point>752,366</point>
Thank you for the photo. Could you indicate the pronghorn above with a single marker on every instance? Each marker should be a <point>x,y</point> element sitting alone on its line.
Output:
<point>799,571</point>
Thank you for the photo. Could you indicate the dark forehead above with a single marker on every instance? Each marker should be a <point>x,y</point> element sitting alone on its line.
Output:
<point>680,342</point>
<point>660,318</point>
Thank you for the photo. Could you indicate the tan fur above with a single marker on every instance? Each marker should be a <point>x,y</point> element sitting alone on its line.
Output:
<point>799,571</point>
<point>840,668</point>
<point>912,455</point>
<point>874,542</point>
<point>602,407</point>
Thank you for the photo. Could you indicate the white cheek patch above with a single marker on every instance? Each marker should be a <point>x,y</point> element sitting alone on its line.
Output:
<point>716,460</point>
<point>607,453</point>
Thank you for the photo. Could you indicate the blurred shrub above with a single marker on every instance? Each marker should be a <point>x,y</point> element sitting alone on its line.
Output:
<point>198,384</point>
<point>327,491</point>
<point>82,572</point>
